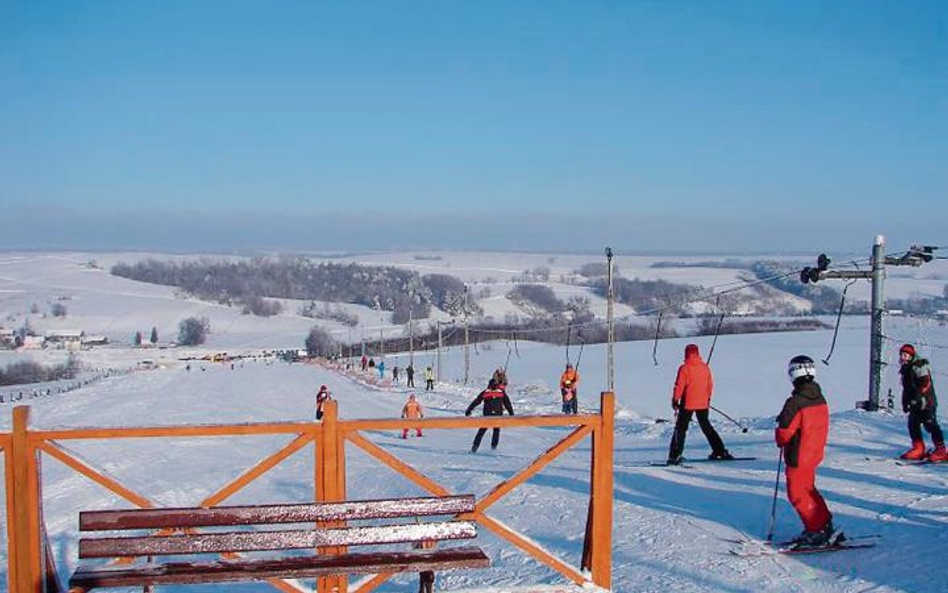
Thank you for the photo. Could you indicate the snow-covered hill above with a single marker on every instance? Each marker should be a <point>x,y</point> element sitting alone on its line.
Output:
<point>671,525</point>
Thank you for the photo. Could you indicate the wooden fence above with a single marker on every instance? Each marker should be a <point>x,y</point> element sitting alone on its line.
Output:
<point>32,569</point>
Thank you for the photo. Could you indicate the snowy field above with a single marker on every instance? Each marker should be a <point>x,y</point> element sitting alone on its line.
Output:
<point>671,525</point>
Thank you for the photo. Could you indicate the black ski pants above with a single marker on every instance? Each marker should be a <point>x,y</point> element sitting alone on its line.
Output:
<point>681,432</point>
<point>928,419</point>
<point>494,438</point>
<point>411,380</point>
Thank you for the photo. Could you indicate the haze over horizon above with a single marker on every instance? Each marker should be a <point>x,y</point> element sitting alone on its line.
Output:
<point>557,126</point>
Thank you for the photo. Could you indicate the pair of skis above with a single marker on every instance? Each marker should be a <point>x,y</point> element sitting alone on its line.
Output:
<point>686,463</point>
<point>753,547</point>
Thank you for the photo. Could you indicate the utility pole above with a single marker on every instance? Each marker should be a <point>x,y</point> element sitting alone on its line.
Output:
<point>438,375</point>
<point>467,341</point>
<point>610,361</point>
<point>914,257</point>
<point>411,339</point>
<point>381,342</point>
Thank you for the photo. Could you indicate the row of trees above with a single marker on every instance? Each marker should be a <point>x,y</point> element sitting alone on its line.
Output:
<point>191,332</point>
<point>28,371</point>
<point>249,282</point>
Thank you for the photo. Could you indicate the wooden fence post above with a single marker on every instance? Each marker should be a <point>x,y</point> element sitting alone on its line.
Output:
<point>329,485</point>
<point>10,515</point>
<point>26,507</point>
<point>602,493</point>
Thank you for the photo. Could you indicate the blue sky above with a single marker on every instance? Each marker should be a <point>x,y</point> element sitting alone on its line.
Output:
<point>693,125</point>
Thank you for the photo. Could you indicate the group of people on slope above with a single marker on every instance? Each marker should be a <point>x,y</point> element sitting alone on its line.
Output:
<point>368,363</point>
<point>803,428</point>
<point>801,433</point>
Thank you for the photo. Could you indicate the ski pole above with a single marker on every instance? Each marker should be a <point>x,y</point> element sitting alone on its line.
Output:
<point>773,508</point>
<point>739,425</point>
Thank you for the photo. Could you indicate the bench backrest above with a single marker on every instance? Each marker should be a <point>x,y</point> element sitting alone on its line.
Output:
<point>177,525</point>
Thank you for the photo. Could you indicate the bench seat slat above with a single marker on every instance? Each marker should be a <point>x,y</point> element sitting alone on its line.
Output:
<point>251,541</point>
<point>272,514</point>
<point>294,567</point>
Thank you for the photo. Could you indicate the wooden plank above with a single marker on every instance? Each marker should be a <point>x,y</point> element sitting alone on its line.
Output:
<point>535,466</point>
<point>57,452</point>
<point>295,567</point>
<point>256,471</point>
<point>532,549</point>
<point>398,465</point>
<point>371,584</point>
<point>11,517</point>
<point>602,494</point>
<point>29,569</point>
<point>193,430</point>
<point>472,423</point>
<point>352,510</point>
<point>254,541</point>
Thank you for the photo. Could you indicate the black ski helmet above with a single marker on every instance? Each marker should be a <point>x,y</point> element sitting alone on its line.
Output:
<point>801,366</point>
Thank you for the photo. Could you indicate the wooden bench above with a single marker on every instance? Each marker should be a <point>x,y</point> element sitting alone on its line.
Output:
<point>178,535</point>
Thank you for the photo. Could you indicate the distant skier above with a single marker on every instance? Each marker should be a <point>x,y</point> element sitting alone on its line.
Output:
<point>395,373</point>
<point>500,376</point>
<point>569,385</point>
<point>802,428</point>
<point>410,375</point>
<point>692,395</point>
<point>364,362</point>
<point>921,405</point>
<point>371,363</point>
<point>429,379</point>
<point>412,410</point>
<point>495,402</point>
<point>381,369</point>
<point>322,396</point>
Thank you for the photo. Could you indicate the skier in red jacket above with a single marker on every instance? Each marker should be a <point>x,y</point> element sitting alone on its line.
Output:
<point>692,395</point>
<point>802,428</point>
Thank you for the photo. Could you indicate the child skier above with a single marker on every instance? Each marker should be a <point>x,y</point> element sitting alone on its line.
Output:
<point>802,428</point>
<point>495,402</point>
<point>322,396</point>
<point>429,379</point>
<point>412,409</point>
<point>921,405</point>
<point>569,382</point>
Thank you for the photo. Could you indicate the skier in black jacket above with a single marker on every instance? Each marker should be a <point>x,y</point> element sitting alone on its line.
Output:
<point>495,400</point>
<point>921,405</point>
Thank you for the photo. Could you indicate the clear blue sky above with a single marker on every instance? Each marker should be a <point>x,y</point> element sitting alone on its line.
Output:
<point>664,124</point>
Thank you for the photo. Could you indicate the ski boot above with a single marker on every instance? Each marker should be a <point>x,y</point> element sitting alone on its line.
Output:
<point>724,455</point>
<point>917,452</point>
<point>939,454</point>
<point>675,460</point>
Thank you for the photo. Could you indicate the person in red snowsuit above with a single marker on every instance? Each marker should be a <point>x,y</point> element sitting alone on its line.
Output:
<point>802,429</point>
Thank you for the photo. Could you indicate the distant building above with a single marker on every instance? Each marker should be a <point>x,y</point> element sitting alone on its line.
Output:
<point>64,338</point>
<point>89,341</point>
<point>33,342</point>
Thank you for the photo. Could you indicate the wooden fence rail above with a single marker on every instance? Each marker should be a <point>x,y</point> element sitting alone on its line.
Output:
<point>31,567</point>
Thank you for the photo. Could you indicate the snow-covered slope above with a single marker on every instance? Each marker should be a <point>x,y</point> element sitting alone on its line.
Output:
<point>671,525</point>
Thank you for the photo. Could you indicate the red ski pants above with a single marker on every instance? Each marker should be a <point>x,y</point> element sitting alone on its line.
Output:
<point>806,499</point>
<point>405,432</point>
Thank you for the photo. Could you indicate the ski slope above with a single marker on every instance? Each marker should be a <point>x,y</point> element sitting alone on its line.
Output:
<point>672,525</point>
